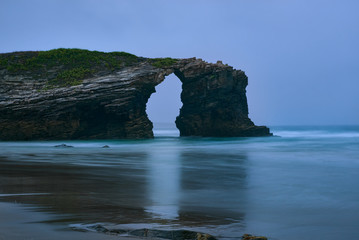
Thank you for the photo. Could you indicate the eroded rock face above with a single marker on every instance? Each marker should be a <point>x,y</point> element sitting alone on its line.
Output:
<point>111,104</point>
<point>214,102</point>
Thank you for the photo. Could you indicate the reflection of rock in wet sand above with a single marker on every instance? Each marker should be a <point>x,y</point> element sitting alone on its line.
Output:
<point>105,193</point>
<point>213,185</point>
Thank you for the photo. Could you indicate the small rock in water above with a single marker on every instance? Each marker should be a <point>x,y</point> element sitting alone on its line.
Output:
<point>64,146</point>
<point>99,228</point>
<point>205,236</point>
<point>89,228</point>
<point>106,146</point>
<point>149,233</point>
<point>173,235</point>
<point>251,237</point>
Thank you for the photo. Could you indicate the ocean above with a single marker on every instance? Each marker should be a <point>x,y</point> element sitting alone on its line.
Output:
<point>302,183</point>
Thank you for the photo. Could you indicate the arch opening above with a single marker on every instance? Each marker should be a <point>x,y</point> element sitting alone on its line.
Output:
<point>164,105</point>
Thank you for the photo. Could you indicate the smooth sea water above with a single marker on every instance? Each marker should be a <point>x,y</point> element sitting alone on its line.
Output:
<point>303,183</point>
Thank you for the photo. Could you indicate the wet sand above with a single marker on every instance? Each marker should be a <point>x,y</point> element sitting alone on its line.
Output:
<point>299,186</point>
<point>19,222</point>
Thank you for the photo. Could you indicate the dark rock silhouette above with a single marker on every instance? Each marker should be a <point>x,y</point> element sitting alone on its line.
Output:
<point>63,146</point>
<point>148,233</point>
<point>78,94</point>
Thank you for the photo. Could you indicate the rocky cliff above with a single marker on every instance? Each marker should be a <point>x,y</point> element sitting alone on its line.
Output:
<point>80,94</point>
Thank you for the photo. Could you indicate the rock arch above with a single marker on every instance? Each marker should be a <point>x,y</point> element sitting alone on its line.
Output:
<point>214,100</point>
<point>112,105</point>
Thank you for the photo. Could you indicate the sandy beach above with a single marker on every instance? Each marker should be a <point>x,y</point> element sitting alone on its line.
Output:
<point>18,222</point>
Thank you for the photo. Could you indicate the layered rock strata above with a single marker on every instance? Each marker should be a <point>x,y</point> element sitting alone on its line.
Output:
<point>110,103</point>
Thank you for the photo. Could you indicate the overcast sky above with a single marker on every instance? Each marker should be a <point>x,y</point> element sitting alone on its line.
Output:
<point>301,56</point>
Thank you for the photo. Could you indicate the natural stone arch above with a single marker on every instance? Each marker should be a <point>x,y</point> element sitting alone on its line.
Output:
<point>112,104</point>
<point>214,100</point>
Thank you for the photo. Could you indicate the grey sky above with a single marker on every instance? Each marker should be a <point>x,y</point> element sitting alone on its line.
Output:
<point>301,56</point>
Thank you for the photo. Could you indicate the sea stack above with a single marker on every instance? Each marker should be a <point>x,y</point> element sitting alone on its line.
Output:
<point>81,94</point>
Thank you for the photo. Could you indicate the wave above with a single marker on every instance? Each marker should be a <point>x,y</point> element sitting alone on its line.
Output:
<point>315,134</point>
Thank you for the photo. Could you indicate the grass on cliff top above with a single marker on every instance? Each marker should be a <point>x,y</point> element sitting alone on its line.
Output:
<point>65,67</point>
<point>163,62</point>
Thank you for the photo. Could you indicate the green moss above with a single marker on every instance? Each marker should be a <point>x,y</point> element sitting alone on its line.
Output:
<point>65,67</point>
<point>163,62</point>
<point>70,77</point>
<point>213,76</point>
<point>3,63</point>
